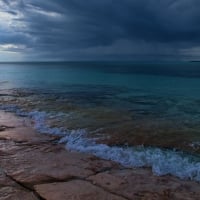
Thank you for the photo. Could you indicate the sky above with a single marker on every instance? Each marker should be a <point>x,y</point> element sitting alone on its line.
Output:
<point>61,30</point>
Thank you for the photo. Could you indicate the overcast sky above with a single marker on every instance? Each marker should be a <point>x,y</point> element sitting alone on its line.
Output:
<point>99,29</point>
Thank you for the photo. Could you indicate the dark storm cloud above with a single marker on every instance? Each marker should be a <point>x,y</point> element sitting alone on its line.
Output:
<point>79,29</point>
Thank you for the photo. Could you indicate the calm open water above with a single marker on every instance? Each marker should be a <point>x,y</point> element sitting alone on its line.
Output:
<point>136,114</point>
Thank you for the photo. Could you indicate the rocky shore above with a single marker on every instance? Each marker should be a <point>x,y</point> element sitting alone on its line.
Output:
<point>33,167</point>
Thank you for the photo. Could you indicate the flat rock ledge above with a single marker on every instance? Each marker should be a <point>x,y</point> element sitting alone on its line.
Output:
<point>33,167</point>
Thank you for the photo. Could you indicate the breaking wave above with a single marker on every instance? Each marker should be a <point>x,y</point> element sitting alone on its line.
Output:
<point>161,161</point>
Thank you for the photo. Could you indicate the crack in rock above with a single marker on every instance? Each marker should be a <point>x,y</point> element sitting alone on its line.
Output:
<point>4,127</point>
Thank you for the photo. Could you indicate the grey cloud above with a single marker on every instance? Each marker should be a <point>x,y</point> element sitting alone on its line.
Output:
<point>99,29</point>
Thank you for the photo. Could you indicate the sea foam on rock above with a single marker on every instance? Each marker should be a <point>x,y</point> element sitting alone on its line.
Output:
<point>161,161</point>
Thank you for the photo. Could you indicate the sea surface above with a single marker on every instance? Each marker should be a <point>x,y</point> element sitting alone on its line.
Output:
<point>137,114</point>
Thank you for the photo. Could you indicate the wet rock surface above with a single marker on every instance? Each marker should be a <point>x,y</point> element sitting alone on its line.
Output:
<point>33,167</point>
<point>11,190</point>
<point>75,189</point>
<point>142,184</point>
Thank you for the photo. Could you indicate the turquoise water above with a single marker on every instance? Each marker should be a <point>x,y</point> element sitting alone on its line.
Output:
<point>106,107</point>
<point>61,75</point>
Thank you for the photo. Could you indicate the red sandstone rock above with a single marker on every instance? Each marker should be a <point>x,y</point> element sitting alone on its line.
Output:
<point>32,160</point>
<point>40,163</point>
<point>142,184</point>
<point>74,190</point>
<point>10,190</point>
<point>13,193</point>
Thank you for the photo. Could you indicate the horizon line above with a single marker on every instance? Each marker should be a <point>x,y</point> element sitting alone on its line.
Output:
<point>77,61</point>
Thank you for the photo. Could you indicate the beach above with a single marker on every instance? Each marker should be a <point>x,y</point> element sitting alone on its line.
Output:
<point>34,167</point>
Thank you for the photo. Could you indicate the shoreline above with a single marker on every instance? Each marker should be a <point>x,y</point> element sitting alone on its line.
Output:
<point>34,167</point>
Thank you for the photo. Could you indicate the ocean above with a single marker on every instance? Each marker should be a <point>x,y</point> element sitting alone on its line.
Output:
<point>137,114</point>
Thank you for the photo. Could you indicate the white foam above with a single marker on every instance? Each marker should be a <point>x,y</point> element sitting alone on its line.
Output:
<point>15,109</point>
<point>161,161</point>
<point>195,145</point>
<point>9,108</point>
<point>40,125</point>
